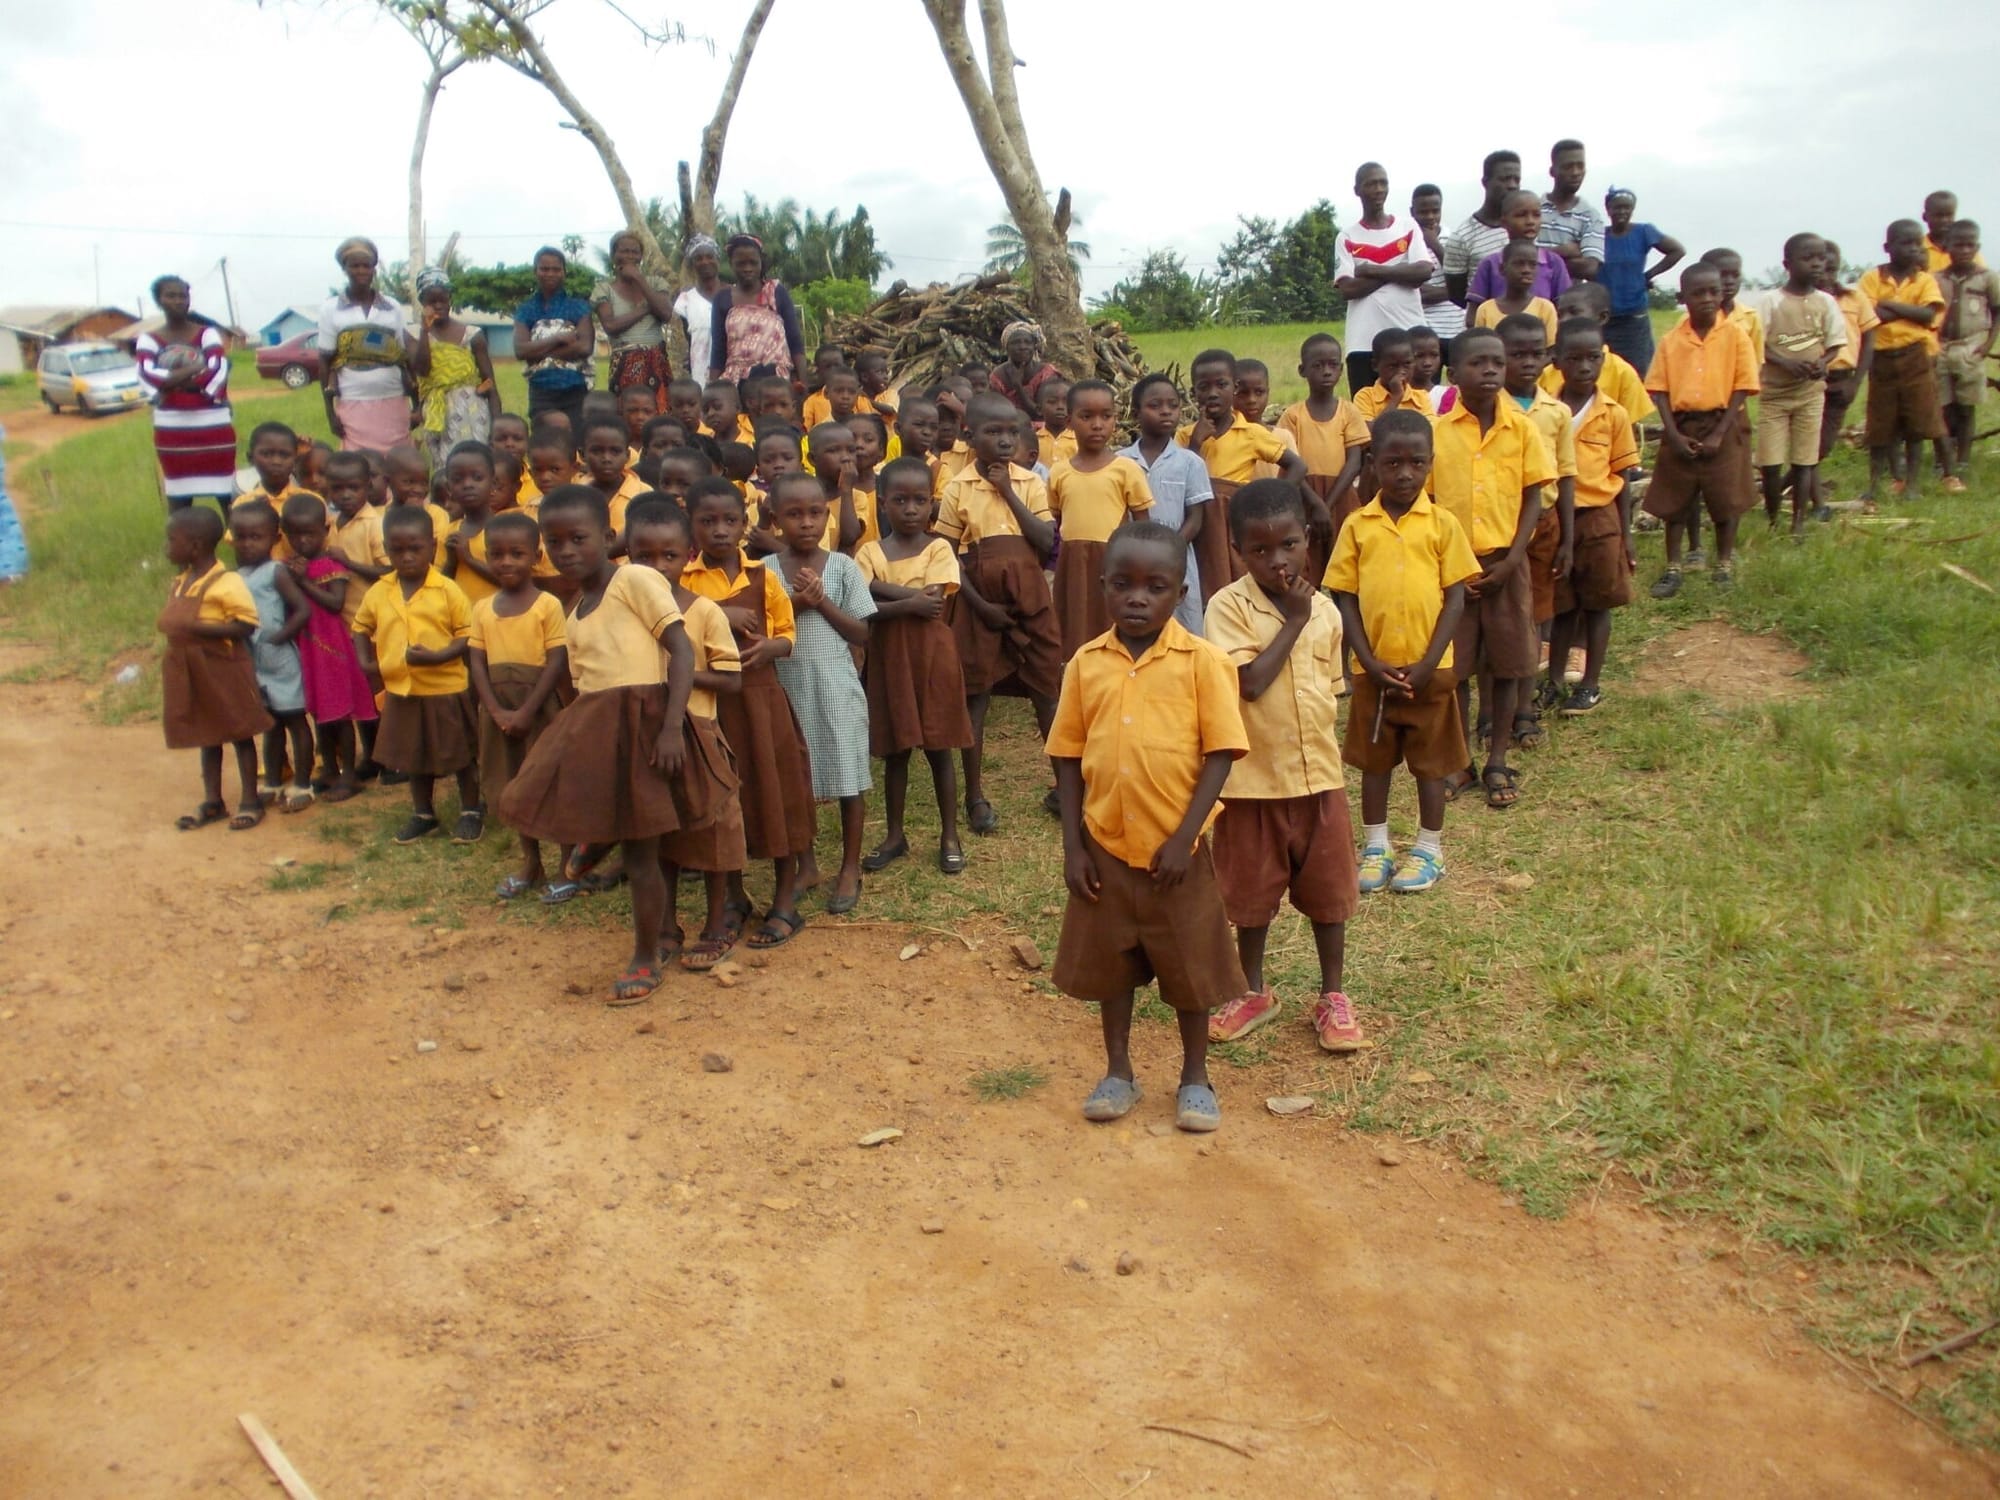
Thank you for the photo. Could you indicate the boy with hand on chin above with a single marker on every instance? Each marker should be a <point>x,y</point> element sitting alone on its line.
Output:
<point>1232,446</point>
<point>1144,735</point>
<point>1902,388</point>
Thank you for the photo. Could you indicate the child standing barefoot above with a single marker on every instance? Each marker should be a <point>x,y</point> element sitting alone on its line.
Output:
<point>517,655</point>
<point>336,689</point>
<point>208,688</point>
<point>831,605</point>
<point>916,691</point>
<point>282,612</point>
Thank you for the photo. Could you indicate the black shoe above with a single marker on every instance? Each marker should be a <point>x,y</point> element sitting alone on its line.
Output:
<point>1669,584</point>
<point>1581,701</point>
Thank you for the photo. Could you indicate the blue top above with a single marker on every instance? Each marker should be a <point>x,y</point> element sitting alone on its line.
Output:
<point>1624,273</point>
<point>1179,481</point>
<point>542,316</point>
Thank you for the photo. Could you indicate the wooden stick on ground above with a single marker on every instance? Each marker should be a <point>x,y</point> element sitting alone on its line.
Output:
<point>1199,1437</point>
<point>274,1458</point>
<point>1953,1344</point>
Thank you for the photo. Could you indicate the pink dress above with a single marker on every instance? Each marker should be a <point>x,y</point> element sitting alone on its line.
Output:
<point>336,687</point>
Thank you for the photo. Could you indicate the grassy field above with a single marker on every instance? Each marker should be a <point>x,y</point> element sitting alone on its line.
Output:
<point>1754,979</point>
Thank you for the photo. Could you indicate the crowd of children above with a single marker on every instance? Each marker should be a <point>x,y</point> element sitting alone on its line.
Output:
<point>658,640</point>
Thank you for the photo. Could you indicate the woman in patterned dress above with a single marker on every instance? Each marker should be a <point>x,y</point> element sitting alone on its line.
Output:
<point>754,329</point>
<point>454,373</point>
<point>185,364</point>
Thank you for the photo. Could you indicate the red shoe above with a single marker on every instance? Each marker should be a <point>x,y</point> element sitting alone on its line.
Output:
<point>1333,1019</point>
<point>1241,1016</point>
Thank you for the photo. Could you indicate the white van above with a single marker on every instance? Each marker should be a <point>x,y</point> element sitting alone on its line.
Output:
<point>94,378</point>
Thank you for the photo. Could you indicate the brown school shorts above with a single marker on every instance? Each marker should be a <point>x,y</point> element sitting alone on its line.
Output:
<point>1134,932</point>
<point>1903,397</point>
<point>1541,565</point>
<point>1723,481</point>
<point>1266,847</point>
<point>1599,575</point>
<point>1425,733</point>
<point>1497,631</point>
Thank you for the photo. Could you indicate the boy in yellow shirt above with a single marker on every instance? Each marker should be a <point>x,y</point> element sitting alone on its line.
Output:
<point>1902,390</point>
<point>1232,446</point>
<point>1550,548</point>
<point>1144,735</point>
<point>1589,301</point>
<point>1332,438</point>
<point>1849,367</point>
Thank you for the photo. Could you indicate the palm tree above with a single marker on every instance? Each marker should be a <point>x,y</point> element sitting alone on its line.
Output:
<point>1007,252</point>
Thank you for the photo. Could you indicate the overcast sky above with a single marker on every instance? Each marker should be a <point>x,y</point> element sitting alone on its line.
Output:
<point>142,137</point>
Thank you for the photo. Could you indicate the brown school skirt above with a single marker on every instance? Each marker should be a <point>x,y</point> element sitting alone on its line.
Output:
<point>1319,539</point>
<point>1081,613</point>
<point>433,734</point>
<point>1266,847</point>
<point>1721,481</point>
<point>1424,733</point>
<point>1540,565</point>
<point>916,690</point>
<point>1903,397</point>
<point>590,778</point>
<point>208,694</point>
<point>1600,576</point>
<point>773,766</point>
<point>1214,555</point>
<point>1006,572</point>
<point>1496,633</point>
<point>717,842</point>
<point>501,756</point>
<point>1134,932</point>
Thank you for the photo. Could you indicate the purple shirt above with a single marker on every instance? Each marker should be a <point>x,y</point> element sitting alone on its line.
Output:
<point>1551,281</point>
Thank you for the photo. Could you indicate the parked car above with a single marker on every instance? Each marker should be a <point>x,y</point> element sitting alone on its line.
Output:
<point>296,361</point>
<point>94,378</point>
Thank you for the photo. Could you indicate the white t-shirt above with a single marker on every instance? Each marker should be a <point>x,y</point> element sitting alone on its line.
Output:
<point>695,310</point>
<point>377,345</point>
<point>1398,243</point>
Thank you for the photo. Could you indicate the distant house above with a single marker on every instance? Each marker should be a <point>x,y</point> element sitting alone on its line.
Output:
<point>292,321</point>
<point>499,329</point>
<point>34,328</point>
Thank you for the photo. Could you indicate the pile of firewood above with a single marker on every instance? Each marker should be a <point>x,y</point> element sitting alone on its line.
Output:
<point>928,332</point>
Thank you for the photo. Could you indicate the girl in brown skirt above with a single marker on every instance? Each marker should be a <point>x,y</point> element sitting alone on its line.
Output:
<point>1092,494</point>
<point>757,722</point>
<point>412,633</point>
<point>208,686</point>
<point>518,655</point>
<point>658,535</point>
<point>916,689</point>
<point>614,767</point>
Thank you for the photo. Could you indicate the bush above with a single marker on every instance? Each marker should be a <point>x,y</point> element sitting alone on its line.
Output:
<point>831,294</point>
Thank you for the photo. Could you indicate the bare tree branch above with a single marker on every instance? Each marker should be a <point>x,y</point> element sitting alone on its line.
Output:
<point>712,139</point>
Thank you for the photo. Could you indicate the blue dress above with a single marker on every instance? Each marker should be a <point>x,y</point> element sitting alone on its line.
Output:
<point>825,690</point>
<point>13,541</point>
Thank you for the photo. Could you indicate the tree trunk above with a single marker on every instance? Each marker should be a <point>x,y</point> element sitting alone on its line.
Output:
<point>709,172</point>
<point>994,108</point>
<point>418,146</point>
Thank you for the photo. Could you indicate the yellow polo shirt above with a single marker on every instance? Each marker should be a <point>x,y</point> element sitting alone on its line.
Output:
<point>225,597</point>
<point>1093,505</point>
<point>1325,445</point>
<point>358,541</point>
<point>618,643</point>
<point>523,640</point>
<point>1478,477</point>
<point>1700,372</point>
<point>434,616</point>
<point>936,565</point>
<point>780,622</point>
<point>1374,400</point>
<point>1551,419</point>
<point>1606,446</point>
<point>1294,744</point>
<point>970,509</point>
<point>1398,572</point>
<point>1859,311</point>
<point>1617,379</point>
<point>1879,284</point>
<point>714,650</point>
<point>1141,729</point>
<point>1233,454</point>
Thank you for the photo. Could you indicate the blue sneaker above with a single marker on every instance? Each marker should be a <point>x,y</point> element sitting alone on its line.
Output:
<point>1417,870</point>
<point>1377,867</point>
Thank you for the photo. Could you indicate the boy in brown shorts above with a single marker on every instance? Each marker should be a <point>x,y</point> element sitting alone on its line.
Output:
<point>1971,294</point>
<point>1902,387</point>
<point>1284,824</point>
<point>1703,372</point>
<point>1599,579</point>
<point>1145,732</point>
<point>1399,573</point>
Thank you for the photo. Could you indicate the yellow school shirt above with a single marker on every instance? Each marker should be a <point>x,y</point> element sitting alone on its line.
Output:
<point>780,623</point>
<point>1294,743</point>
<point>618,643</point>
<point>864,512</point>
<point>936,565</point>
<point>1551,419</point>
<point>1859,311</point>
<point>282,549</point>
<point>1398,572</point>
<point>1746,317</point>
<point>1375,399</point>
<point>1479,478</point>
<point>358,541</point>
<point>1489,313</point>
<point>434,616</point>
<point>1606,446</point>
<point>225,596</point>
<point>630,487</point>
<point>1233,454</point>
<point>1325,445</point>
<point>945,466</point>
<point>970,509</point>
<point>523,640</point>
<point>1093,505</point>
<point>714,650</point>
<point>819,409</point>
<point>1700,372</point>
<point>1141,729</point>
<point>1053,446</point>
<point>1616,379</point>
<point>1269,470</point>
<point>1879,284</point>
<point>474,587</point>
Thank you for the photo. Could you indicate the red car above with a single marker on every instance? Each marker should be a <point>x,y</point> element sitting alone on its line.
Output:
<point>296,361</point>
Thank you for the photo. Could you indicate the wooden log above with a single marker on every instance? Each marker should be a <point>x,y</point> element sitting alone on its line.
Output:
<point>289,1478</point>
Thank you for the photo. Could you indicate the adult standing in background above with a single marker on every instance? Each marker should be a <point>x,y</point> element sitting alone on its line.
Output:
<point>695,306</point>
<point>634,307</point>
<point>185,366</point>
<point>754,328</point>
<point>1446,317</point>
<point>1626,276</point>
<point>1022,374</point>
<point>365,379</point>
<point>1380,266</point>
<point>1570,226</point>
<point>454,372</point>
<point>555,338</point>
<point>1483,234</point>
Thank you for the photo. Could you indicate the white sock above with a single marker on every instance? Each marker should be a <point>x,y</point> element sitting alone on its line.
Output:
<point>1375,836</point>
<point>1431,841</point>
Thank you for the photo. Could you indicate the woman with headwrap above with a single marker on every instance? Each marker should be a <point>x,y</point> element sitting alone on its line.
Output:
<point>754,328</point>
<point>1020,377</point>
<point>454,372</point>
<point>695,306</point>
<point>1626,276</point>
<point>365,374</point>
<point>632,306</point>
<point>184,364</point>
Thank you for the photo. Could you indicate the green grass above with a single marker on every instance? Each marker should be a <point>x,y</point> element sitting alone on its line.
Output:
<point>1277,344</point>
<point>1756,981</point>
<point>17,392</point>
<point>1008,1083</point>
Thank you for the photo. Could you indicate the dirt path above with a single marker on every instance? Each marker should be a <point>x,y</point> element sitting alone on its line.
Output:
<point>556,1256</point>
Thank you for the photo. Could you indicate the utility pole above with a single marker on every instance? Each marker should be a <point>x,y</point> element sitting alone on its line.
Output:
<point>228,297</point>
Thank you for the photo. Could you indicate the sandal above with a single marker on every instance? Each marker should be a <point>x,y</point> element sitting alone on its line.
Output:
<point>298,799</point>
<point>201,817</point>
<point>951,861</point>
<point>340,791</point>
<point>672,946</point>
<point>420,825</point>
<point>558,891</point>
<point>246,818</point>
<point>470,827</point>
<point>1502,784</point>
<point>734,914</point>
<point>513,888</point>
<point>1459,784</point>
<point>838,905</point>
<point>1528,732</point>
<point>635,984</point>
<point>268,794</point>
<point>706,952</point>
<point>980,816</point>
<point>878,860</point>
<point>779,928</point>
<point>1113,1099</point>
<point>1196,1110</point>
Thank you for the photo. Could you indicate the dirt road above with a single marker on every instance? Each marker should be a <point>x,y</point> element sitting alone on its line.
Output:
<point>556,1256</point>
